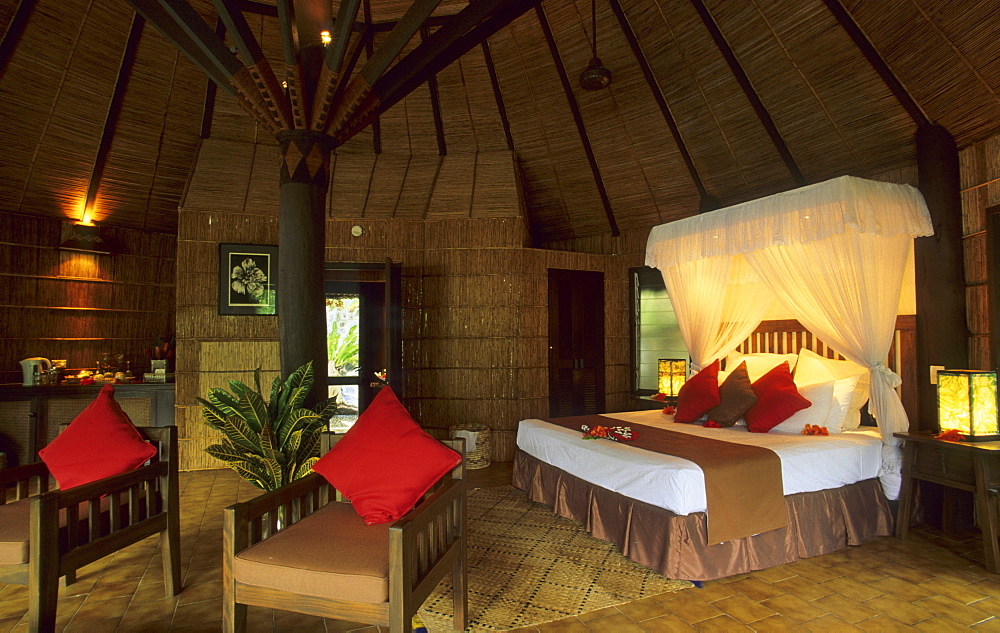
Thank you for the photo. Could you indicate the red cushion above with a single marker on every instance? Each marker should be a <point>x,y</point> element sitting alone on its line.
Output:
<point>385,463</point>
<point>699,394</point>
<point>98,443</point>
<point>777,400</point>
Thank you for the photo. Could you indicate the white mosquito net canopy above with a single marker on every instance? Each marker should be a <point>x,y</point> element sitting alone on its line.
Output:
<point>834,254</point>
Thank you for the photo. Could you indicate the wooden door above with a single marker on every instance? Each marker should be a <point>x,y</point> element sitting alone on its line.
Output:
<point>576,342</point>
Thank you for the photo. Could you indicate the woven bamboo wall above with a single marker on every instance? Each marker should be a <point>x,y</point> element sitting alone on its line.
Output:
<point>474,296</point>
<point>77,306</point>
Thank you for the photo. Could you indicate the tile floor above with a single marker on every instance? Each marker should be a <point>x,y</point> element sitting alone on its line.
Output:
<point>931,582</point>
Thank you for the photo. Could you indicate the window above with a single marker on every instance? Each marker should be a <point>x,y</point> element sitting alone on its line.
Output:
<point>655,333</point>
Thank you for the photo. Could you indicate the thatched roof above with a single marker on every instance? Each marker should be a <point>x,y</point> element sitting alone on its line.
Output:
<point>764,95</point>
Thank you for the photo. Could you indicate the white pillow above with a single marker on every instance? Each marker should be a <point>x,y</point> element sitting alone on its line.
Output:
<point>760,363</point>
<point>820,394</point>
<point>813,368</point>
<point>840,408</point>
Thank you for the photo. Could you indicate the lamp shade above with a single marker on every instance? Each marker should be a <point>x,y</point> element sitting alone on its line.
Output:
<point>85,238</point>
<point>671,374</point>
<point>967,403</point>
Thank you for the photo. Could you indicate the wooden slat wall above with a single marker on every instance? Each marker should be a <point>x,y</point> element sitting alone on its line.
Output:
<point>76,306</point>
<point>980,172</point>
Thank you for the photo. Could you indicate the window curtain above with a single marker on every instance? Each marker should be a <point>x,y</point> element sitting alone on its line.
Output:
<point>845,290</point>
<point>712,328</point>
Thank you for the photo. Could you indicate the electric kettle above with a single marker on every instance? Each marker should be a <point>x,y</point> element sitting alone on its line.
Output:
<point>32,367</point>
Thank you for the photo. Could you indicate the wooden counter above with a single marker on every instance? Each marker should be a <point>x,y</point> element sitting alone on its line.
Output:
<point>30,416</point>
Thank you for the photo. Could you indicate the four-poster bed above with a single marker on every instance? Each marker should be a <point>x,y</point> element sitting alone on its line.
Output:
<point>833,255</point>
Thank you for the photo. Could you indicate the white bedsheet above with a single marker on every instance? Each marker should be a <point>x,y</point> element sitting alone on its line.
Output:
<point>808,463</point>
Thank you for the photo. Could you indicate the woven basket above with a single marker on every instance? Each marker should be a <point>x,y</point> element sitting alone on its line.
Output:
<point>478,435</point>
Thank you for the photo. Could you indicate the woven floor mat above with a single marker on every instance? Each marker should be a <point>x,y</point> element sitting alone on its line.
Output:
<point>528,566</point>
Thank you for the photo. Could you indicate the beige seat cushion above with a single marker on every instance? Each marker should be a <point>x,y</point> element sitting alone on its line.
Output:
<point>15,519</point>
<point>329,554</point>
<point>14,532</point>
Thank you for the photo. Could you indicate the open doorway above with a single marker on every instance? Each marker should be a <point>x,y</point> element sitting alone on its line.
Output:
<point>364,350</point>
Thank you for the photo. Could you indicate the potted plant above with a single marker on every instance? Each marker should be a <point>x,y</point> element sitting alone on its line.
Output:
<point>268,442</point>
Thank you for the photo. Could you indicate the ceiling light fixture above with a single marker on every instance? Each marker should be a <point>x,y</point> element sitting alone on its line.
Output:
<point>596,76</point>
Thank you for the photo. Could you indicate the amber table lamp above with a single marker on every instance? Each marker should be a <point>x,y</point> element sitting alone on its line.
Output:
<point>671,374</point>
<point>967,403</point>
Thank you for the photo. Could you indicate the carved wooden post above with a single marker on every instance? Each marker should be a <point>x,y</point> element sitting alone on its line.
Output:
<point>304,179</point>
<point>942,330</point>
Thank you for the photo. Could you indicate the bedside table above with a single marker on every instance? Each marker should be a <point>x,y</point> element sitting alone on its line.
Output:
<point>972,466</point>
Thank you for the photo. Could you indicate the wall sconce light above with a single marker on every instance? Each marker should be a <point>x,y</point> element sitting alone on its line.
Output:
<point>85,238</point>
<point>671,375</point>
<point>967,402</point>
<point>325,37</point>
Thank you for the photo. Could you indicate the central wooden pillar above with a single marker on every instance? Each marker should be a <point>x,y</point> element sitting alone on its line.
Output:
<point>942,330</point>
<point>304,179</point>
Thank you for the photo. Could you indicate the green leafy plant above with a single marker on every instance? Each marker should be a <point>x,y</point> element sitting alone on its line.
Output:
<point>268,442</point>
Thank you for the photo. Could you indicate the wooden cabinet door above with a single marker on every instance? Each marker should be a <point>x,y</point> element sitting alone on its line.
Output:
<point>576,342</point>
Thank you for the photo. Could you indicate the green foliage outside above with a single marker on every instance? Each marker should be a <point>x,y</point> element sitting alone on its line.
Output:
<point>342,341</point>
<point>268,442</point>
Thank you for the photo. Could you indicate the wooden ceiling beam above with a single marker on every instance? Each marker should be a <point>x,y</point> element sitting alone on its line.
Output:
<point>744,81</point>
<point>114,111</point>
<point>439,43</point>
<point>261,86</point>
<point>404,30</point>
<point>707,201</point>
<point>329,77</point>
<point>202,35</point>
<point>180,38</point>
<point>369,51</point>
<point>394,85</point>
<point>211,88</point>
<point>360,86</point>
<point>445,46</point>
<point>432,85</point>
<point>293,70</point>
<point>342,28</point>
<point>867,49</point>
<point>578,119</point>
<point>224,62</point>
<point>15,29</point>
<point>497,94</point>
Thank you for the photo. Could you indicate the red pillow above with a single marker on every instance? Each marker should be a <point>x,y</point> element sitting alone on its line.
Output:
<point>98,443</point>
<point>699,394</point>
<point>385,463</point>
<point>777,400</point>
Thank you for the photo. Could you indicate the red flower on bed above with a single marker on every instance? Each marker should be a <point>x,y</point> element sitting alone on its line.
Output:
<point>613,433</point>
<point>951,435</point>
<point>711,424</point>
<point>669,409</point>
<point>814,429</point>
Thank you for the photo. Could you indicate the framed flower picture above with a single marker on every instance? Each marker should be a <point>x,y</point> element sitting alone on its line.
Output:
<point>248,279</point>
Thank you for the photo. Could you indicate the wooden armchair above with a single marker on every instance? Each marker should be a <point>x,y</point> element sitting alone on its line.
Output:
<point>46,535</point>
<point>378,574</point>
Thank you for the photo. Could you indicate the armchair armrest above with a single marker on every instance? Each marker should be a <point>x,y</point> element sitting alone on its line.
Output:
<point>21,477</point>
<point>252,521</point>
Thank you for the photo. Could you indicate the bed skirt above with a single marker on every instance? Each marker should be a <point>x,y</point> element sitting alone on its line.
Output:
<point>818,523</point>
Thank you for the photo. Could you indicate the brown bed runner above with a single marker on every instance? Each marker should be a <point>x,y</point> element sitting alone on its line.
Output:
<point>743,485</point>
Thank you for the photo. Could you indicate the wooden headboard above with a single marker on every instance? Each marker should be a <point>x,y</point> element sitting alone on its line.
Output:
<point>788,337</point>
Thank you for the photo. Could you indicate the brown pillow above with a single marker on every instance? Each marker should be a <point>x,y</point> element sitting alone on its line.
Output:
<point>736,397</point>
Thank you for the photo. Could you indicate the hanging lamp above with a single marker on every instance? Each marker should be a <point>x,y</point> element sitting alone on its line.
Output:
<point>596,76</point>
